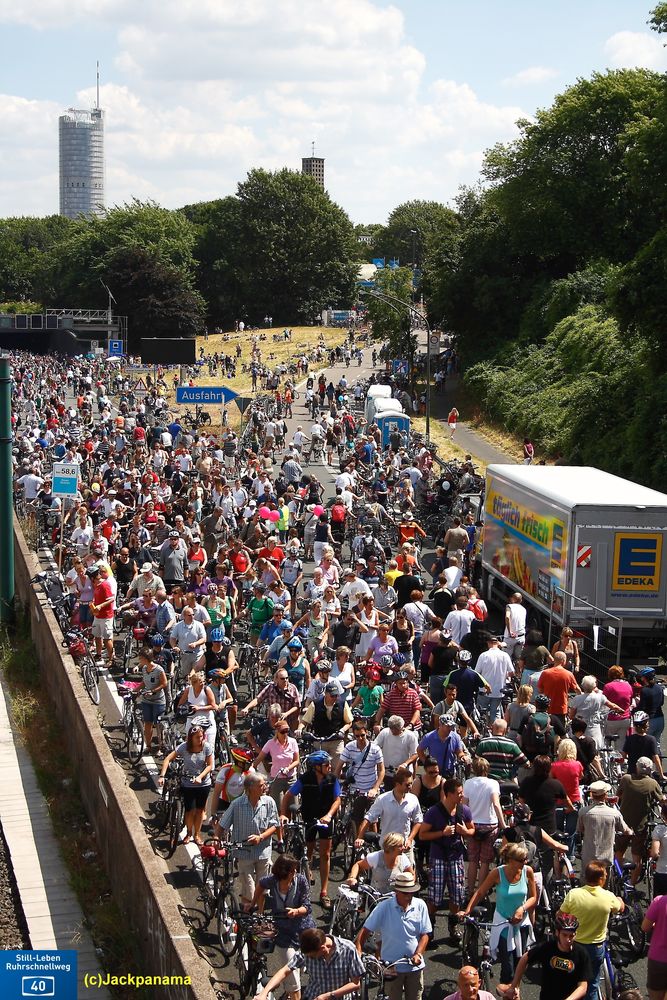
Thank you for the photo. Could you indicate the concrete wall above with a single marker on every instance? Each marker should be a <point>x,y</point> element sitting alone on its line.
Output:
<point>139,878</point>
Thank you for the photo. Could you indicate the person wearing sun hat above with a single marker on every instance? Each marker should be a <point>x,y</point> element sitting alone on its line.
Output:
<point>598,823</point>
<point>403,922</point>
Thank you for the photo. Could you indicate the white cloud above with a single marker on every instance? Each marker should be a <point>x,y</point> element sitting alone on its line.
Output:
<point>627,49</point>
<point>530,76</point>
<point>203,90</point>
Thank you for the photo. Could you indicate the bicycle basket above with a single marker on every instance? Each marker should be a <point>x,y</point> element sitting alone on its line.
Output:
<point>77,648</point>
<point>349,898</point>
<point>263,940</point>
<point>139,633</point>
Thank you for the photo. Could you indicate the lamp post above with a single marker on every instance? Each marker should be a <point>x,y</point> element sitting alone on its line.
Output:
<point>413,311</point>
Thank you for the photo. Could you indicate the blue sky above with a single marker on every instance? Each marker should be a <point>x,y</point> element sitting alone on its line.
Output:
<point>402,98</point>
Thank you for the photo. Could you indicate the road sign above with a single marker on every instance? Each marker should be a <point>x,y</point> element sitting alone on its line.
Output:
<point>94,344</point>
<point>200,394</point>
<point>584,553</point>
<point>400,366</point>
<point>65,479</point>
<point>243,402</point>
<point>115,348</point>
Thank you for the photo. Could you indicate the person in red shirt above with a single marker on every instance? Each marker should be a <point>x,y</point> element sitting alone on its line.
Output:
<point>102,608</point>
<point>271,551</point>
<point>556,682</point>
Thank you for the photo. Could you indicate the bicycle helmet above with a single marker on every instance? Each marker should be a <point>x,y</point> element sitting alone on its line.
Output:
<point>318,757</point>
<point>639,719</point>
<point>295,643</point>
<point>566,922</point>
<point>374,675</point>
<point>243,758</point>
<point>399,659</point>
<point>542,702</point>
<point>157,639</point>
<point>216,672</point>
<point>465,656</point>
<point>646,672</point>
<point>217,635</point>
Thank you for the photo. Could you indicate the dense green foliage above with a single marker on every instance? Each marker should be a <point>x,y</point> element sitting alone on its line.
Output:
<point>555,279</point>
<point>280,247</point>
<point>392,322</point>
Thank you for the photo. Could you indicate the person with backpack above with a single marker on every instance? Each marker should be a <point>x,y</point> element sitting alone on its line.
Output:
<point>477,605</point>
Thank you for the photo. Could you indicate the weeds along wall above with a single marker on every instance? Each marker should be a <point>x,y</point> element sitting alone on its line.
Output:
<point>138,877</point>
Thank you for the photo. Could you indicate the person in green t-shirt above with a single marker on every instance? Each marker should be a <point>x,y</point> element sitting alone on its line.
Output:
<point>370,693</point>
<point>259,609</point>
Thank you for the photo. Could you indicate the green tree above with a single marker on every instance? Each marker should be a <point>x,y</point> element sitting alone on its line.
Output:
<point>389,312</point>
<point>218,252</point>
<point>297,253</point>
<point>95,250</point>
<point>412,231</point>
<point>23,243</point>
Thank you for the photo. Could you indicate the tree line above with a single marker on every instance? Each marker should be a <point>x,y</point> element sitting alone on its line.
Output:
<point>550,272</point>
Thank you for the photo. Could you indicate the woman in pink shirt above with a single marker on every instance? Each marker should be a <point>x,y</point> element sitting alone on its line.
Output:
<point>284,753</point>
<point>569,772</point>
<point>655,923</point>
<point>619,691</point>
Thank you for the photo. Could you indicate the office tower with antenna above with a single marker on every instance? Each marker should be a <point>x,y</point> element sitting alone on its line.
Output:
<point>81,142</point>
<point>313,166</point>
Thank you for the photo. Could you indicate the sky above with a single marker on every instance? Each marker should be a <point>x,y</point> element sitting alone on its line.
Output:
<point>401,97</point>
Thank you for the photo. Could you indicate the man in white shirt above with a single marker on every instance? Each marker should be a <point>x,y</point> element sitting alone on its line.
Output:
<point>346,480</point>
<point>459,621</point>
<point>515,623</point>
<point>398,812</point>
<point>453,574</point>
<point>495,667</point>
<point>398,746</point>
<point>354,588</point>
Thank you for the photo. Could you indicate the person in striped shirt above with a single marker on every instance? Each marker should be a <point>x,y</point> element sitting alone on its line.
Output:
<point>401,700</point>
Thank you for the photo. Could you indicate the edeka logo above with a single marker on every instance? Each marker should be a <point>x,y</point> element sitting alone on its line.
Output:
<point>637,562</point>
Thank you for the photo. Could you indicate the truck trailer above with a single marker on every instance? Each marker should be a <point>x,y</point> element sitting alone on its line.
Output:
<point>582,547</point>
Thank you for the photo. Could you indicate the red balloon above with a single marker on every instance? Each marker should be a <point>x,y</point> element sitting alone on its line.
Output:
<point>318,510</point>
<point>274,515</point>
<point>264,511</point>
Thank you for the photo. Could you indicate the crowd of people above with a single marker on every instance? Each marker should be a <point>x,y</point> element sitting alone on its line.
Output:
<point>469,751</point>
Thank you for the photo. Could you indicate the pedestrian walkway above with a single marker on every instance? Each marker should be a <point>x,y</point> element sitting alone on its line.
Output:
<point>53,915</point>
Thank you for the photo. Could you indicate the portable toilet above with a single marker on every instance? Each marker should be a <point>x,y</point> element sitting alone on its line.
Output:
<point>390,422</point>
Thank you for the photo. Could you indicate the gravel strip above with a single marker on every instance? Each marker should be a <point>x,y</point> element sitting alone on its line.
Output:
<point>13,928</point>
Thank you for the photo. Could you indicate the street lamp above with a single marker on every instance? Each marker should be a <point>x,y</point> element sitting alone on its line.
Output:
<point>412,309</point>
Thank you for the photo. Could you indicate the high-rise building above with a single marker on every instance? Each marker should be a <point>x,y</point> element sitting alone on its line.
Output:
<point>81,135</point>
<point>314,167</point>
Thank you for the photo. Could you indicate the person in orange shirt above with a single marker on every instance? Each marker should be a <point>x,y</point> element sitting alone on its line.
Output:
<point>408,529</point>
<point>556,682</point>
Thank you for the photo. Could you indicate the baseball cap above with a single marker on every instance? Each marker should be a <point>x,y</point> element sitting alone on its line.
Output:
<point>644,765</point>
<point>146,567</point>
<point>333,687</point>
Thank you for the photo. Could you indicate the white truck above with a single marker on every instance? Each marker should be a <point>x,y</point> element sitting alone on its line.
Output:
<point>582,546</point>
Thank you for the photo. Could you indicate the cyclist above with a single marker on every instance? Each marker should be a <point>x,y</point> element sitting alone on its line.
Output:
<point>320,801</point>
<point>565,965</point>
<point>229,783</point>
<point>221,662</point>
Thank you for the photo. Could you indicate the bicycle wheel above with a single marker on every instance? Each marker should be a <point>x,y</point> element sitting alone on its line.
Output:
<point>349,837</point>
<point>176,821</point>
<point>222,748</point>
<point>227,926</point>
<point>91,675</point>
<point>134,738</point>
<point>470,945</point>
<point>209,888</point>
<point>636,936</point>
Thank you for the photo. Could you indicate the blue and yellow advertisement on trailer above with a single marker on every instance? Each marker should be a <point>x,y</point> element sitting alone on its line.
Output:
<point>526,543</point>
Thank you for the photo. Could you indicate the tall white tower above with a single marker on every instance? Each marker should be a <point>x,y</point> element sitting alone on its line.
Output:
<point>81,139</point>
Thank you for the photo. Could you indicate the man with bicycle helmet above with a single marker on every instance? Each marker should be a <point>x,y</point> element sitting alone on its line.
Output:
<point>221,662</point>
<point>320,801</point>
<point>229,783</point>
<point>639,744</point>
<point>565,965</point>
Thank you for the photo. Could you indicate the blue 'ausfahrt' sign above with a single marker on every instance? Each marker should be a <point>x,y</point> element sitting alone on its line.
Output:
<point>193,395</point>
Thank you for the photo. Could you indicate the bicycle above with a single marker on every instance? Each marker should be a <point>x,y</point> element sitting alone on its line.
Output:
<point>614,977</point>
<point>77,645</point>
<point>351,907</point>
<point>475,926</point>
<point>132,721</point>
<point>256,940</point>
<point>294,839</point>
<point>227,910</point>
<point>377,970</point>
<point>632,916</point>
